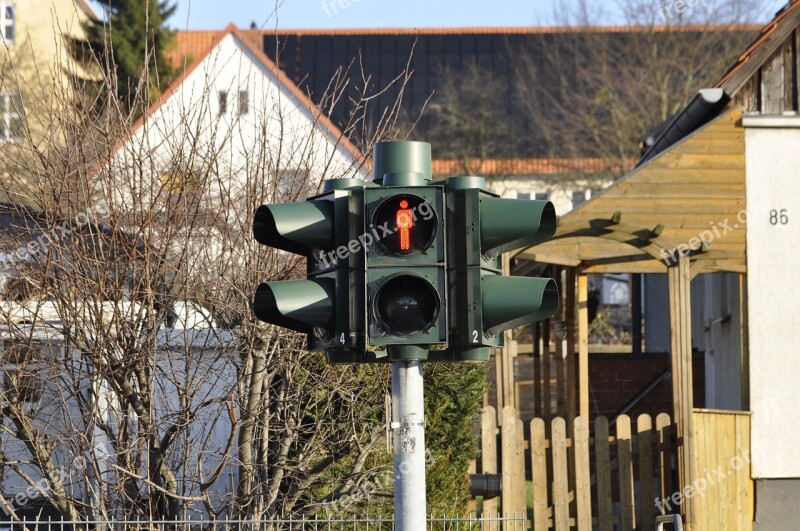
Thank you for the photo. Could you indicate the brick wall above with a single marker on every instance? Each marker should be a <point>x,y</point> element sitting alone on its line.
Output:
<point>614,380</point>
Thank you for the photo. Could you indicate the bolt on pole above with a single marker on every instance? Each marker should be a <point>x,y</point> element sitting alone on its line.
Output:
<point>409,446</point>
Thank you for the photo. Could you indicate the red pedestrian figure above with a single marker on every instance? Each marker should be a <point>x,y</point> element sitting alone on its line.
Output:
<point>404,223</point>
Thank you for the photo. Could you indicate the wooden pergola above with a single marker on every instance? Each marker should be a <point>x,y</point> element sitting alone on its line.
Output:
<point>681,213</point>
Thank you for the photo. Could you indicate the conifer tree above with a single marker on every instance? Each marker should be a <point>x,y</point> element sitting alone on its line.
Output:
<point>131,41</point>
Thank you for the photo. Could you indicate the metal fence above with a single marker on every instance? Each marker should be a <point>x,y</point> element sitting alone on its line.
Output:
<point>475,523</point>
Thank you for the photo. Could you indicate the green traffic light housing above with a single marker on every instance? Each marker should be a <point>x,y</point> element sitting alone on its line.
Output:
<point>483,302</point>
<point>404,267</point>
<point>406,277</point>
<point>328,305</point>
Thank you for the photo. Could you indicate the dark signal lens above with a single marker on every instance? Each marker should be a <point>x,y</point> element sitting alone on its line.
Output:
<point>411,222</point>
<point>407,304</point>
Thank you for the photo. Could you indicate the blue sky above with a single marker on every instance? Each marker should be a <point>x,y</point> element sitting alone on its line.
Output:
<point>361,13</point>
<point>216,14</point>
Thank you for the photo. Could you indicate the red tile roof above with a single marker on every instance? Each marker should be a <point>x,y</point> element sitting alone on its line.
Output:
<point>766,32</point>
<point>192,45</point>
<point>83,4</point>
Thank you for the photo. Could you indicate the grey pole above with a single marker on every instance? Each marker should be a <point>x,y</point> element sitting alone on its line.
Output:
<point>408,418</point>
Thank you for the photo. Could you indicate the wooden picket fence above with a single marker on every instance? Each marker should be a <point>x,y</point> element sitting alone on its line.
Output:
<point>604,479</point>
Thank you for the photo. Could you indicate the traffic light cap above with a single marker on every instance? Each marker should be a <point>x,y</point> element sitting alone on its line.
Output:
<point>403,156</point>
<point>331,185</point>
<point>466,183</point>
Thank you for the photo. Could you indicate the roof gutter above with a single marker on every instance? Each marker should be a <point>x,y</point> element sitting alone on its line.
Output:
<point>704,107</point>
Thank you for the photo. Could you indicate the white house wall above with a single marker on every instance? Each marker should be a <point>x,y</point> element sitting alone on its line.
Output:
<point>773,291</point>
<point>278,131</point>
<point>200,361</point>
<point>559,189</point>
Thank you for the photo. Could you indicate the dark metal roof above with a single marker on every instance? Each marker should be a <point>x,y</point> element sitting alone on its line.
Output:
<point>312,58</point>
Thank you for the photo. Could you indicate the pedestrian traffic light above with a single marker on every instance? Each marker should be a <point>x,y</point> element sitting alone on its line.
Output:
<point>483,303</point>
<point>328,305</point>
<point>404,268</point>
<point>406,277</point>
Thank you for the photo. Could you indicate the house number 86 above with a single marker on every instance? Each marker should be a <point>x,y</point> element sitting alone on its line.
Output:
<point>778,217</point>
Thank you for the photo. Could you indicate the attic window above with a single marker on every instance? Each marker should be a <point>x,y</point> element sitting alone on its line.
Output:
<point>244,103</point>
<point>292,183</point>
<point>579,197</point>
<point>10,117</point>
<point>538,196</point>
<point>222,97</point>
<point>22,380</point>
<point>7,21</point>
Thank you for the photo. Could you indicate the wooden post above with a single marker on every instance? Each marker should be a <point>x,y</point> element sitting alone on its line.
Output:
<point>510,353</point>
<point>636,313</point>
<point>489,455</point>
<point>537,372</point>
<point>498,379</point>
<point>561,384</point>
<point>682,387</point>
<point>504,364</point>
<point>572,374</point>
<point>583,345</point>
<point>547,389</point>
<point>512,463</point>
<point>744,344</point>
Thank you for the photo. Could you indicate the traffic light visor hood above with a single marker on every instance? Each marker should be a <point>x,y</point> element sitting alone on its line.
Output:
<point>508,224</point>
<point>513,301</point>
<point>299,305</point>
<point>295,227</point>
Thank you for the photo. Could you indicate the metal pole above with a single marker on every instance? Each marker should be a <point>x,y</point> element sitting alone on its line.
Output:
<point>409,446</point>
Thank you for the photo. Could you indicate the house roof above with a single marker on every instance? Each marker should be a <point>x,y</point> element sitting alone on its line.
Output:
<point>693,190</point>
<point>529,166</point>
<point>246,39</point>
<point>84,5</point>
<point>679,198</point>
<point>191,45</point>
<point>375,57</point>
<point>763,46</point>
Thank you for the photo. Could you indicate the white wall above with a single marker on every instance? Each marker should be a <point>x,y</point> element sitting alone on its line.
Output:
<point>236,157</point>
<point>198,359</point>
<point>772,150</point>
<point>558,188</point>
<point>277,132</point>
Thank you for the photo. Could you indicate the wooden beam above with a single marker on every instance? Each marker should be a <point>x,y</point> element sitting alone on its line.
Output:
<point>618,260</point>
<point>583,345</point>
